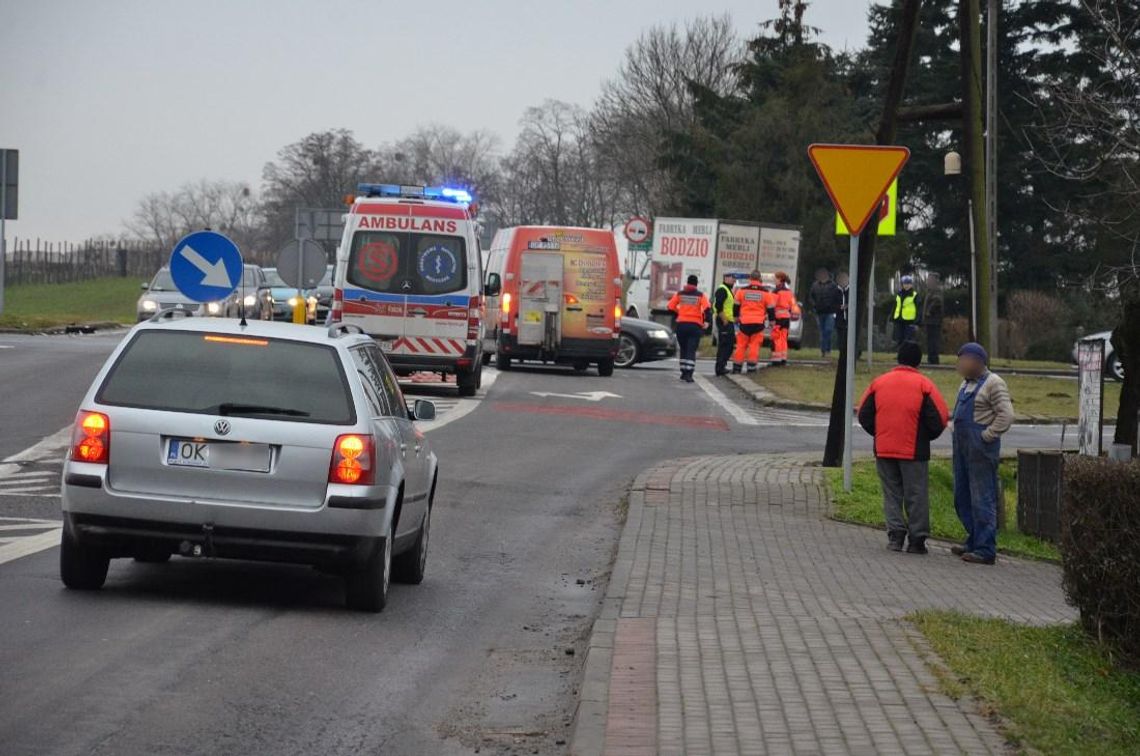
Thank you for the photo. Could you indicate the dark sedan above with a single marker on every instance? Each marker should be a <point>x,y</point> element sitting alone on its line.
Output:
<point>644,341</point>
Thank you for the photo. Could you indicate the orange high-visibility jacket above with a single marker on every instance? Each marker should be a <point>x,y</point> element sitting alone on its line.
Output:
<point>752,304</point>
<point>690,304</point>
<point>785,303</point>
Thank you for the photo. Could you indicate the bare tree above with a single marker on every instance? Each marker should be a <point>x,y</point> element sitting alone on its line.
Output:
<point>162,218</point>
<point>436,154</point>
<point>652,95</point>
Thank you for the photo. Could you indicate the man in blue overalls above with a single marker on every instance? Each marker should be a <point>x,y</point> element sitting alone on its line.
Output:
<point>982,413</point>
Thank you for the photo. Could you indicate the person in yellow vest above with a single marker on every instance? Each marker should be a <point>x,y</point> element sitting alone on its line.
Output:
<point>693,312</point>
<point>905,314</point>
<point>724,312</point>
<point>751,313</point>
<point>784,307</point>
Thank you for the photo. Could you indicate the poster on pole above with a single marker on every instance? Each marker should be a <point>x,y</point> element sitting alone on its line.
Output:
<point>1090,410</point>
<point>737,247</point>
<point>779,250</point>
<point>682,247</point>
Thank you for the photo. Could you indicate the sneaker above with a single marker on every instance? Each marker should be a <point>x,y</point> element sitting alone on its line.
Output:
<point>975,558</point>
<point>958,550</point>
<point>895,541</point>
<point>916,546</point>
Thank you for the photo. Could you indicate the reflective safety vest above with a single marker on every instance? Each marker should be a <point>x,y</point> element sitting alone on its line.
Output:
<point>727,311</point>
<point>785,303</point>
<point>752,304</point>
<point>690,304</point>
<point>906,306</point>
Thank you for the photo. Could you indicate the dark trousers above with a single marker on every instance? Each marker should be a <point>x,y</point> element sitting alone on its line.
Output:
<point>688,339</point>
<point>905,330</point>
<point>906,503</point>
<point>725,343</point>
<point>933,342</point>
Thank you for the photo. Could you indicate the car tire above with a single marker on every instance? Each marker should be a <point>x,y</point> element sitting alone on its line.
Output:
<point>81,567</point>
<point>1115,368</point>
<point>411,566</point>
<point>467,383</point>
<point>629,352</point>
<point>605,368</point>
<point>502,361</point>
<point>366,589</point>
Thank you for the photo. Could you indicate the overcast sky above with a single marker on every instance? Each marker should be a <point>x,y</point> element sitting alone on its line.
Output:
<point>108,100</point>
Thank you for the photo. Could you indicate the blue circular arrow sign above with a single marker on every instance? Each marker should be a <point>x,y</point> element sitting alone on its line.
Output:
<point>206,266</point>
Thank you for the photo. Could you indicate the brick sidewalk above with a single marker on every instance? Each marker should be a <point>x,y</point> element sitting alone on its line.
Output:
<point>739,619</point>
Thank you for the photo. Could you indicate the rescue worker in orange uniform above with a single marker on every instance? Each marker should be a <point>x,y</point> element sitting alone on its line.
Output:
<point>752,303</point>
<point>784,306</point>
<point>693,312</point>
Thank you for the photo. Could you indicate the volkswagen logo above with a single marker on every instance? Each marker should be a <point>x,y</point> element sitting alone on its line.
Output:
<point>222,427</point>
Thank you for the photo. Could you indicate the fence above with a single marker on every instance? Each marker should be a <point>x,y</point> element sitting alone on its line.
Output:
<point>59,262</point>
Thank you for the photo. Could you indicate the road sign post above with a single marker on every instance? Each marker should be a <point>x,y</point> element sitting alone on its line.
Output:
<point>856,178</point>
<point>9,184</point>
<point>301,264</point>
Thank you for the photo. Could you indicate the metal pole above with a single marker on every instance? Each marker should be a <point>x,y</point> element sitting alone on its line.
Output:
<point>994,8</point>
<point>3,214</point>
<point>871,318</point>
<point>849,400</point>
<point>973,274</point>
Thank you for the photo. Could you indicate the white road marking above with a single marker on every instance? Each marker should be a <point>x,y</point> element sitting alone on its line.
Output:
<point>23,547</point>
<point>590,396</point>
<point>735,412</point>
<point>463,407</point>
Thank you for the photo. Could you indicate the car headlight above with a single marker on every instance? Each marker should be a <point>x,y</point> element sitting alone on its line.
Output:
<point>312,301</point>
<point>213,308</point>
<point>250,300</point>
<point>149,305</point>
<point>661,334</point>
<point>292,301</point>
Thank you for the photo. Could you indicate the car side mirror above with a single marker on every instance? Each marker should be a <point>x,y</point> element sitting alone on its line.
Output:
<point>494,285</point>
<point>423,410</point>
<point>144,286</point>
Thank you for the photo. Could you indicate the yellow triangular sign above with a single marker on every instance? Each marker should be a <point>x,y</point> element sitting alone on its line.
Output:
<point>856,177</point>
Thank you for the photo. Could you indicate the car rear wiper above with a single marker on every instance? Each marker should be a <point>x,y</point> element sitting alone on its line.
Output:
<point>235,408</point>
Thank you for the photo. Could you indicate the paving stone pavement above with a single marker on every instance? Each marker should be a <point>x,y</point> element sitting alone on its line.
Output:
<point>740,620</point>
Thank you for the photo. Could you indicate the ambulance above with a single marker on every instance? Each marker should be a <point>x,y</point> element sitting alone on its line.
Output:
<point>409,273</point>
<point>553,295</point>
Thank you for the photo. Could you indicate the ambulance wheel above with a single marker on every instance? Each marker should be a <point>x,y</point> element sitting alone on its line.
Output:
<point>605,368</point>
<point>467,383</point>
<point>502,361</point>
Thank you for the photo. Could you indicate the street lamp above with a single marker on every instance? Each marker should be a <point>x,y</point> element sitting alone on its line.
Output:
<point>952,166</point>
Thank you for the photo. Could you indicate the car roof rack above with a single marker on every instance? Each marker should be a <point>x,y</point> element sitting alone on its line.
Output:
<point>168,314</point>
<point>336,330</point>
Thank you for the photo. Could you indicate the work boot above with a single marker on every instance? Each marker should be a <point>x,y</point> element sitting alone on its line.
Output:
<point>975,558</point>
<point>916,546</point>
<point>689,378</point>
<point>895,539</point>
<point>958,550</point>
<point>736,368</point>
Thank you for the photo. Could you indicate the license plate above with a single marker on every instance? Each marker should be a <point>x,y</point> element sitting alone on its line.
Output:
<point>184,453</point>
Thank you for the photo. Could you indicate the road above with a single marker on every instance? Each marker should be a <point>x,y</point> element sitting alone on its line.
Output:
<point>217,657</point>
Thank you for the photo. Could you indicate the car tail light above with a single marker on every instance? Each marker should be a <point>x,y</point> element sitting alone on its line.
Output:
<point>91,439</point>
<point>617,315</point>
<point>505,321</point>
<point>353,460</point>
<point>474,314</point>
<point>571,299</point>
<point>337,305</point>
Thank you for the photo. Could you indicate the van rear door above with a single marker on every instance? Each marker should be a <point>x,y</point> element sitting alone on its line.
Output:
<point>372,287</point>
<point>540,299</point>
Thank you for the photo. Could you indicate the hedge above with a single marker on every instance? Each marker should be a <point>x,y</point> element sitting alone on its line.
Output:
<point>1100,547</point>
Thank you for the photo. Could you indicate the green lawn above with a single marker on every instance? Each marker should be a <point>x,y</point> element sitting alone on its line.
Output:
<point>1055,689</point>
<point>35,306</point>
<point>864,505</point>
<point>1034,396</point>
<point>884,360</point>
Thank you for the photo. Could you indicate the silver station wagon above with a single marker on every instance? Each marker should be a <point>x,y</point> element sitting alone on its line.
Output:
<point>267,441</point>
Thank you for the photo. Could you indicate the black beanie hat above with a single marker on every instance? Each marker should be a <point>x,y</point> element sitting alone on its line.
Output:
<point>910,354</point>
<point>692,280</point>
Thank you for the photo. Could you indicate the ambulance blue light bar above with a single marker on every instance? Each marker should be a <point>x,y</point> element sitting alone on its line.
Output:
<point>443,193</point>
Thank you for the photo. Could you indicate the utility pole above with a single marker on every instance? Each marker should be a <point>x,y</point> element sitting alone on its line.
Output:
<point>993,10</point>
<point>974,154</point>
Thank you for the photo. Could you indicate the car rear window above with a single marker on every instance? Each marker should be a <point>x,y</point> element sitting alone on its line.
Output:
<point>218,374</point>
<point>408,263</point>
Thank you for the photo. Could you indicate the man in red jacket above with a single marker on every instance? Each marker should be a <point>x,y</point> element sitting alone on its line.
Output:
<point>903,410</point>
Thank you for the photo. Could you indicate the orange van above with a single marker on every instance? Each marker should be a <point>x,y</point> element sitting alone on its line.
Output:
<point>553,295</point>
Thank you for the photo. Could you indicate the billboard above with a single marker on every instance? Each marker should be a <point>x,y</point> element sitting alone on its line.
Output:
<point>779,250</point>
<point>681,247</point>
<point>737,247</point>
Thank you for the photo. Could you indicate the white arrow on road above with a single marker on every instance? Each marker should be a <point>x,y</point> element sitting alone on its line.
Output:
<point>214,273</point>
<point>590,396</point>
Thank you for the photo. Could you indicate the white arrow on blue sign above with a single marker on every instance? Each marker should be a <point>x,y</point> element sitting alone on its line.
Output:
<point>206,266</point>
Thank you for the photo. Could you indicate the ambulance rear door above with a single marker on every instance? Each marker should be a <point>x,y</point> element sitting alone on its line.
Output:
<point>439,268</point>
<point>372,294</point>
<point>540,299</point>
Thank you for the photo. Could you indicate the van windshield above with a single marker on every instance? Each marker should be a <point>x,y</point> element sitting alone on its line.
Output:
<point>407,263</point>
<point>212,374</point>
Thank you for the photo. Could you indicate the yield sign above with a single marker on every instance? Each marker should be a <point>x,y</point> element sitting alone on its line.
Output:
<point>856,177</point>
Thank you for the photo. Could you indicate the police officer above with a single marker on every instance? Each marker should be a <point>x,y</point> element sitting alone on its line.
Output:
<point>752,303</point>
<point>784,305</point>
<point>905,315</point>
<point>693,312</point>
<point>724,310</point>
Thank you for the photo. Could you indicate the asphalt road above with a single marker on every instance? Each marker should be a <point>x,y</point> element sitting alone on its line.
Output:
<point>214,657</point>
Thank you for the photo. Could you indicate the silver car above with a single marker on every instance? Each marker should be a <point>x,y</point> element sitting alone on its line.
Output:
<point>272,441</point>
<point>161,294</point>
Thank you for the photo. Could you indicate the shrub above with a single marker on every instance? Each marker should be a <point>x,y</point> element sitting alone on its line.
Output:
<point>1100,546</point>
<point>1039,327</point>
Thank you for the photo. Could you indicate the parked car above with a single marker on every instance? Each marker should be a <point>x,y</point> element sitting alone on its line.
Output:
<point>325,468</point>
<point>162,294</point>
<point>1113,367</point>
<point>644,341</point>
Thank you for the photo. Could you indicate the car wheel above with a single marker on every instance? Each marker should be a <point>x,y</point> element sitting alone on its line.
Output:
<point>467,383</point>
<point>605,368</point>
<point>81,567</point>
<point>411,566</point>
<point>1116,368</point>
<point>366,590</point>
<point>628,352</point>
<point>502,361</point>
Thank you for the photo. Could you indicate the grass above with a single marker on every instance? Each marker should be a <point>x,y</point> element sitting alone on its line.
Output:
<point>1034,396</point>
<point>864,505</point>
<point>883,360</point>
<point>36,306</point>
<point>1054,688</point>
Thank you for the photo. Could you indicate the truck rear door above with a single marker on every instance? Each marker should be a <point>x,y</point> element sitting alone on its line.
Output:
<point>540,299</point>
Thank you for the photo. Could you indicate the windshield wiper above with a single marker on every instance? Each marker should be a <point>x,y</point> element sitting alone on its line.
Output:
<point>234,408</point>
